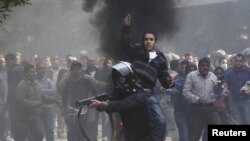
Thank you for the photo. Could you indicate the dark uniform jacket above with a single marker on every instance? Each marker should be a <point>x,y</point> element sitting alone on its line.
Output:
<point>142,117</point>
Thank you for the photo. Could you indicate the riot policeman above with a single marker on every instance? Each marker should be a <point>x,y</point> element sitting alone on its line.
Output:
<point>140,111</point>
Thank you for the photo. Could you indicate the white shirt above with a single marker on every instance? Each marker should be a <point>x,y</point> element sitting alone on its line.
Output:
<point>152,55</point>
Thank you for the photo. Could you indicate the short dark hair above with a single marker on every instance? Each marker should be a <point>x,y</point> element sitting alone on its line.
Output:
<point>204,60</point>
<point>240,55</point>
<point>10,56</point>
<point>191,66</point>
<point>188,54</point>
<point>174,64</point>
<point>149,32</point>
<point>75,64</point>
<point>39,64</point>
<point>27,67</point>
<point>184,62</point>
<point>38,60</point>
<point>219,68</point>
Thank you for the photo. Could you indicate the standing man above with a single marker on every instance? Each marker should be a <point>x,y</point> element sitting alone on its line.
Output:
<point>179,102</point>
<point>53,71</point>
<point>198,90</point>
<point>47,112</point>
<point>104,73</point>
<point>3,100</point>
<point>146,52</point>
<point>91,67</point>
<point>27,109</point>
<point>14,75</point>
<point>62,78</point>
<point>236,78</point>
<point>79,86</point>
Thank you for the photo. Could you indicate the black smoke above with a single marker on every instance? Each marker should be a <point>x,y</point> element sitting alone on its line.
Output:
<point>158,16</point>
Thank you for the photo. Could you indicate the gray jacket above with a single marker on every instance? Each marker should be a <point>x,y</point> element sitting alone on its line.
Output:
<point>29,100</point>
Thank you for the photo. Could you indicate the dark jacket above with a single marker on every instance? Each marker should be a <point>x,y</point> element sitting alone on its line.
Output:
<point>138,52</point>
<point>235,80</point>
<point>142,117</point>
<point>15,75</point>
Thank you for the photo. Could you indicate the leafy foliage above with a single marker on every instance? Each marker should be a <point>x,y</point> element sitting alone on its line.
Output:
<point>6,7</point>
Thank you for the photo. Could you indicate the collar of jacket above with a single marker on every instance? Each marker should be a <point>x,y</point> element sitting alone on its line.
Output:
<point>199,74</point>
<point>244,68</point>
<point>30,82</point>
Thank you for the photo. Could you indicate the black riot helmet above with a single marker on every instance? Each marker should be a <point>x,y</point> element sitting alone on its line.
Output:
<point>122,72</point>
<point>123,78</point>
<point>128,77</point>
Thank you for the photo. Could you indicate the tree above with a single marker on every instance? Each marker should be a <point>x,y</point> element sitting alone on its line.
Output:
<point>6,7</point>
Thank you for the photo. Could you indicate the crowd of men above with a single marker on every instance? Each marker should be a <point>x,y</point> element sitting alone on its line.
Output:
<point>38,95</point>
<point>35,92</point>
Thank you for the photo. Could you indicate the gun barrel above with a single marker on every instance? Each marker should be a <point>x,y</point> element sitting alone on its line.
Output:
<point>87,101</point>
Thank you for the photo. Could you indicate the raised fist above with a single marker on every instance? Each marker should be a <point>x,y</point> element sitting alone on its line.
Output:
<point>127,20</point>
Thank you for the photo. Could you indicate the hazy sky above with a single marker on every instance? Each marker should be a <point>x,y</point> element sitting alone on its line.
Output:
<point>49,27</point>
<point>60,27</point>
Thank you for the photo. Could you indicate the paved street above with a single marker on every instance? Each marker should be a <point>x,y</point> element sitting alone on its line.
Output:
<point>99,134</point>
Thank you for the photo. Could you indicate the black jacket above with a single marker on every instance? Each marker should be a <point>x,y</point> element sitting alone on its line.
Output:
<point>142,117</point>
<point>138,52</point>
<point>15,75</point>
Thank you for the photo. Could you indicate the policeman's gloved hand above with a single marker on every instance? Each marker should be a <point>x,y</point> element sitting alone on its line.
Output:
<point>98,104</point>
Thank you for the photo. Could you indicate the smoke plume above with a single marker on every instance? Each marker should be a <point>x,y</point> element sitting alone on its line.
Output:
<point>158,16</point>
